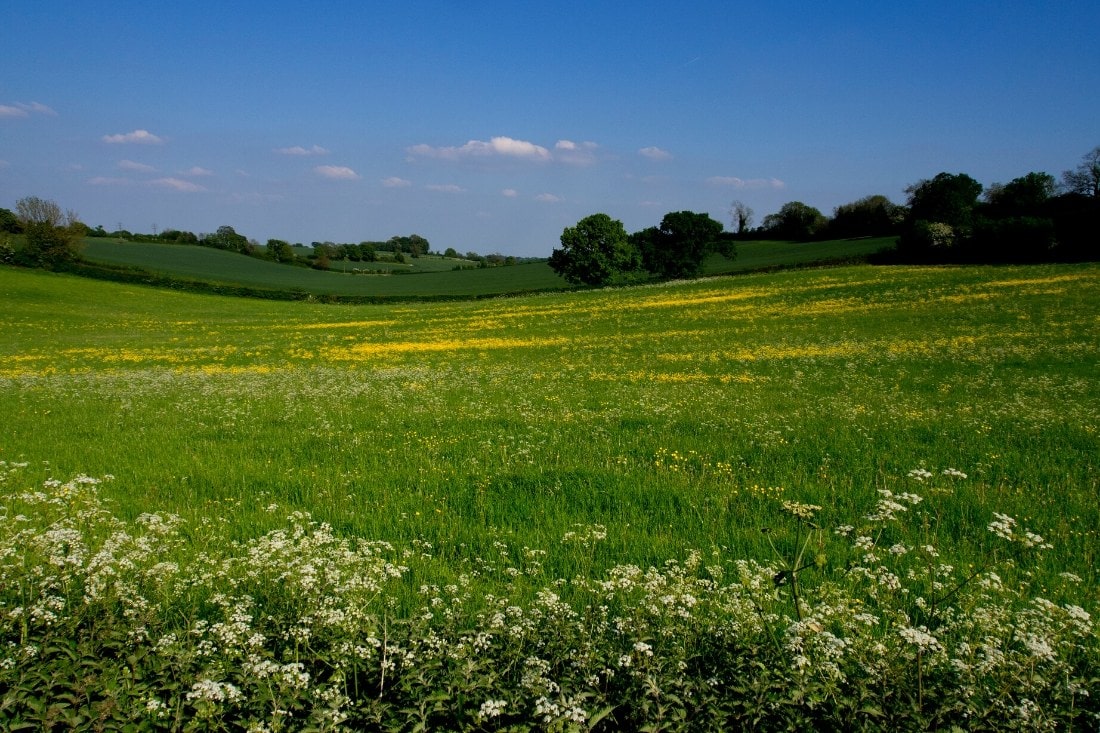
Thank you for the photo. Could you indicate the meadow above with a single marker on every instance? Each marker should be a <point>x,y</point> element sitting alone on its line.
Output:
<point>841,498</point>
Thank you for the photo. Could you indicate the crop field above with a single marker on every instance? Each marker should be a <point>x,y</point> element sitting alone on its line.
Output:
<point>434,275</point>
<point>837,498</point>
<point>220,266</point>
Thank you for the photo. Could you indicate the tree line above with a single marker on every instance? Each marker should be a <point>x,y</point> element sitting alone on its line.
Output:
<point>948,218</point>
<point>52,236</point>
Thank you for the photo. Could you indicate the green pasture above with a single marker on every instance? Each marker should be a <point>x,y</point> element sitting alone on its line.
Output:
<point>675,416</point>
<point>434,276</point>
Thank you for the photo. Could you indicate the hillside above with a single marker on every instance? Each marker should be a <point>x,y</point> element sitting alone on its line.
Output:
<point>429,277</point>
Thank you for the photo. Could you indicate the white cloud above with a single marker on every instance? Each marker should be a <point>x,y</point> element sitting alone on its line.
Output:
<point>498,146</point>
<point>395,182</point>
<point>549,198</point>
<point>197,171</point>
<point>178,184</point>
<point>445,188</point>
<point>751,183</point>
<point>137,136</point>
<point>575,153</point>
<point>23,109</point>
<point>38,107</point>
<point>107,181</point>
<point>509,193</point>
<point>655,153</point>
<point>129,165</point>
<point>299,150</point>
<point>336,172</point>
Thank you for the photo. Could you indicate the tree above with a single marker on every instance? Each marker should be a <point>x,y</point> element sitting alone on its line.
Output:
<point>594,252</point>
<point>1085,178</point>
<point>870,216</point>
<point>677,247</point>
<point>794,220</point>
<point>947,198</point>
<point>1023,196</point>
<point>227,238</point>
<point>9,222</point>
<point>51,236</point>
<point>742,216</point>
<point>280,250</point>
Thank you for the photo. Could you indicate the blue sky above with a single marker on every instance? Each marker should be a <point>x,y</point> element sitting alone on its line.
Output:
<point>491,126</point>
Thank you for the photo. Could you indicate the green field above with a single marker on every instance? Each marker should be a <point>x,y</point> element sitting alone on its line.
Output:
<point>509,447</point>
<point>434,275</point>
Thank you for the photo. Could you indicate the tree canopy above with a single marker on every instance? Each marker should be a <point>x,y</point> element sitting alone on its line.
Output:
<point>52,236</point>
<point>794,220</point>
<point>676,248</point>
<point>594,251</point>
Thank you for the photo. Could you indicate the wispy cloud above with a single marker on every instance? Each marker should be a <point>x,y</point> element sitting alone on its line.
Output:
<point>129,165</point>
<point>574,153</point>
<point>197,171</point>
<point>742,183</point>
<point>504,147</point>
<point>177,184</point>
<point>395,182</point>
<point>108,181</point>
<point>655,153</point>
<point>336,172</point>
<point>299,150</point>
<point>549,198</point>
<point>510,193</point>
<point>445,187</point>
<point>137,136</point>
<point>25,109</point>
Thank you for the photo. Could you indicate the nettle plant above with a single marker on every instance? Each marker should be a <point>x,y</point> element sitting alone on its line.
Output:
<point>107,624</point>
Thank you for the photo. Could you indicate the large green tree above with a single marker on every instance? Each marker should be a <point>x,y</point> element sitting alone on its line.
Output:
<point>795,221</point>
<point>949,198</point>
<point>677,247</point>
<point>595,251</point>
<point>1023,196</point>
<point>870,216</point>
<point>52,236</point>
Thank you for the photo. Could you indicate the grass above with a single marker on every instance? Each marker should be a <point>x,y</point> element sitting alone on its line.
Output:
<point>671,413</point>
<point>434,275</point>
<point>517,449</point>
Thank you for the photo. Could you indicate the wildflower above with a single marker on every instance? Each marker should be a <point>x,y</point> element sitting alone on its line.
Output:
<point>491,709</point>
<point>155,707</point>
<point>920,638</point>
<point>798,510</point>
<point>953,473</point>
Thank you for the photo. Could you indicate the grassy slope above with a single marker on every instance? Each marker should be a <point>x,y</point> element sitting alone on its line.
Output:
<point>204,263</point>
<point>434,277</point>
<point>675,415</point>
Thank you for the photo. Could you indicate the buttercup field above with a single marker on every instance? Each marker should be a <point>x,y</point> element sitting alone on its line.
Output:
<point>575,510</point>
